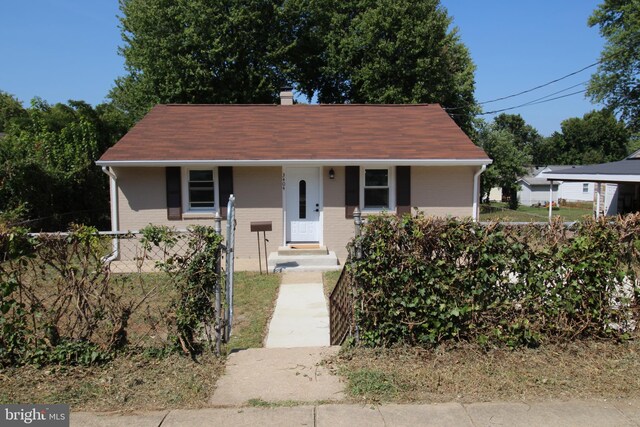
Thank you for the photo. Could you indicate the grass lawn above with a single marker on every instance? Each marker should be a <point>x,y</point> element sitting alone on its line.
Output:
<point>330,280</point>
<point>140,381</point>
<point>255,297</point>
<point>468,374</point>
<point>500,211</point>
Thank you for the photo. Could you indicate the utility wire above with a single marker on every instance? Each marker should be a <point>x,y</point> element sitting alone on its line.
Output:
<point>528,90</point>
<point>542,85</point>
<point>534,102</point>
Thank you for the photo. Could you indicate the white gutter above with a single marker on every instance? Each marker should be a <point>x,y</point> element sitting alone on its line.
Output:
<point>292,162</point>
<point>476,191</point>
<point>113,191</point>
<point>592,177</point>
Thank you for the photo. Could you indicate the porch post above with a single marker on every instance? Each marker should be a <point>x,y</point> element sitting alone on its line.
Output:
<point>550,200</point>
<point>598,189</point>
<point>357,220</point>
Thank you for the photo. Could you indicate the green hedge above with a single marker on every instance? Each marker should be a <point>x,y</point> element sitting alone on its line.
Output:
<point>423,281</point>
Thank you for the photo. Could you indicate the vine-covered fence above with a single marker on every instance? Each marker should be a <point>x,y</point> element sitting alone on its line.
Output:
<point>81,296</point>
<point>424,281</point>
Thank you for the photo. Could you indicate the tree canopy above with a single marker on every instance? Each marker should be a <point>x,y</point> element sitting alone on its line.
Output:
<point>509,162</point>
<point>617,82</point>
<point>597,137</point>
<point>47,172</point>
<point>525,136</point>
<point>244,51</point>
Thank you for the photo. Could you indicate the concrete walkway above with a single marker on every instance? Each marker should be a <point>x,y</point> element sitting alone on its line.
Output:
<point>277,375</point>
<point>290,368</point>
<point>549,414</point>
<point>301,317</point>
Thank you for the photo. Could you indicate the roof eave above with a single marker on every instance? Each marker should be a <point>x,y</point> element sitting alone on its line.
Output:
<point>592,177</point>
<point>291,162</point>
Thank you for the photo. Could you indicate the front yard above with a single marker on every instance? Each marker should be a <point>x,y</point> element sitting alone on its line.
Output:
<point>145,380</point>
<point>500,211</point>
<point>582,370</point>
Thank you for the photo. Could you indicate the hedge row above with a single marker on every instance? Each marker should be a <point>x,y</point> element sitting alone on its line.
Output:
<point>423,281</point>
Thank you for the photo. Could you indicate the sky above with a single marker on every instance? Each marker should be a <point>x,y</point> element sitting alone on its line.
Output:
<point>68,49</point>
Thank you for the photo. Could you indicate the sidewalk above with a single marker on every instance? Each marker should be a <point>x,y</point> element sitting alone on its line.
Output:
<point>574,413</point>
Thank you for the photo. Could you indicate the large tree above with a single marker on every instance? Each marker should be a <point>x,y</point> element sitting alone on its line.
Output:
<point>617,82</point>
<point>509,162</point>
<point>199,51</point>
<point>11,110</point>
<point>47,170</point>
<point>396,51</point>
<point>340,51</point>
<point>597,137</point>
<point>525,136</point>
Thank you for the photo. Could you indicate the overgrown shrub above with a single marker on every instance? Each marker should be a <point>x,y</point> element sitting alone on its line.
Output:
<point>60,302</point>
<point>422,281</point>
<point>196,277</point>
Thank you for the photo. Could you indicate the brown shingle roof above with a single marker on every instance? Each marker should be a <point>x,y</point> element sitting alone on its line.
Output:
<point>299,132</point>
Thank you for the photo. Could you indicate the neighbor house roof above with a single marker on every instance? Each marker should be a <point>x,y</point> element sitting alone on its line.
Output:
<point>272,133</point>
<point>627,170</point>
<point>535,176</point>
<point>531,178</point>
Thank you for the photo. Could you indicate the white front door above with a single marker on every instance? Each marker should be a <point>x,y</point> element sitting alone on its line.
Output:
<point>302,194</point>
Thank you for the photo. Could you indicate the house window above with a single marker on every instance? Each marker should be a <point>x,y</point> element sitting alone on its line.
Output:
<point>376,189</point>
<point>585,187</point>
<point>201,190</point>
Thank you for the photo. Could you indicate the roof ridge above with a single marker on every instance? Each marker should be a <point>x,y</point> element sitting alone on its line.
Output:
<point>298,105</point>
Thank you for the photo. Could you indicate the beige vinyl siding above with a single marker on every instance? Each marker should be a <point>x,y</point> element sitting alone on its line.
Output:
<point>438,191</point>
<point>338,230</point>
<point>443,191</point>
<point>142,201</point>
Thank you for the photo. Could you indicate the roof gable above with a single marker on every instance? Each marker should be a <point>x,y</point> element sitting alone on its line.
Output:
<point>299,132</point>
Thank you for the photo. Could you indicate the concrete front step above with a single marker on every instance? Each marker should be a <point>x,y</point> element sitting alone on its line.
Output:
<point>294,250</point>
<point>297,262</point>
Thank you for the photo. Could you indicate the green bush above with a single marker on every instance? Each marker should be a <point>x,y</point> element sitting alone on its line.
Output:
<point>423,281</point>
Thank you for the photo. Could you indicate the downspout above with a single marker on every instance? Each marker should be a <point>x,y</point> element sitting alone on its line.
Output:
<point>476,191</point>
<point>113,192</point>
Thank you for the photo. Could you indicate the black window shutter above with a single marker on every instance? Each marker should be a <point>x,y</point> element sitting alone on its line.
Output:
<point>174,194</point>
<point>225,185</point>
<point>351,190</point>
<point>403,190</point>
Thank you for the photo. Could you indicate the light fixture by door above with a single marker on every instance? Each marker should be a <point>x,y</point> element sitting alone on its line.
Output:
<point>332,174</point>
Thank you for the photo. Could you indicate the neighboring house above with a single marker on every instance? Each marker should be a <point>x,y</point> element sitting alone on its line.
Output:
<point>534,188</point>
<point>305,168</point>
<point>617,184</point>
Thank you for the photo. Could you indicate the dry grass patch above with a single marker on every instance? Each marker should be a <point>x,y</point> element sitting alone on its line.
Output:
<point>469,374</point>
<point>329,281</point>
<point>130,382</point>
<point>137,380</point>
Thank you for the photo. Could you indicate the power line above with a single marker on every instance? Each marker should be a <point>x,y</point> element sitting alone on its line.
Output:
<point>534,102</point>
<point>528,90</point>
<point>542,85</point>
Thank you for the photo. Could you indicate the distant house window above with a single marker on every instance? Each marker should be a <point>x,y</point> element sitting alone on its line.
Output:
<point>201,190</point>
<point>585,188</point>
<point>376,189</point>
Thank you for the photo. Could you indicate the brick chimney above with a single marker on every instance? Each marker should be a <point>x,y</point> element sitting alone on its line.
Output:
<point>286,95</point>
